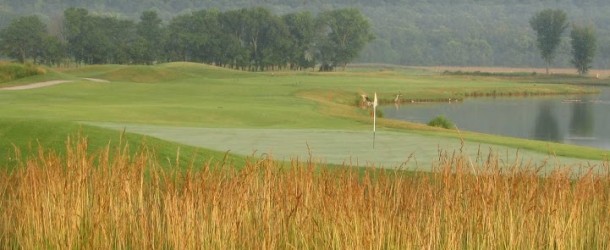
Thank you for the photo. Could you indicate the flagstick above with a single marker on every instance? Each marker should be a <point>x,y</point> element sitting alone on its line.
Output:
<point>374,118</point>
<point>374,125</point>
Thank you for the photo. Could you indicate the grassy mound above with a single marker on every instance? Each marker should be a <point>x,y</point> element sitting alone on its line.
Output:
<point>162,73</point>
<point>14,71</point>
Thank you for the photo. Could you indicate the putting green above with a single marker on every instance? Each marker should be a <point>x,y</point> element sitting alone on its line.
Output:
<point>349,147</point>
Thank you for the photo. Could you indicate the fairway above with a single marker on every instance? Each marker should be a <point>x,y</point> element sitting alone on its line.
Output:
<point>343,147</point>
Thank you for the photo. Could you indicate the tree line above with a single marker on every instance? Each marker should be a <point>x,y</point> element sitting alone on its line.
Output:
<point>407,32</point>
<point>249,39</point>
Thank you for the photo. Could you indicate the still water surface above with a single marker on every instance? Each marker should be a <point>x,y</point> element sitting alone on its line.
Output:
<point>582,120</point>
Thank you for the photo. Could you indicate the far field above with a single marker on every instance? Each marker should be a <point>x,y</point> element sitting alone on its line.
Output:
<point>280,113</point>
<point>597,73</point>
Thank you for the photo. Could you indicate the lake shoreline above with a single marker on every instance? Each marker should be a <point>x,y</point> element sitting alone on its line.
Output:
<point>553,119</point>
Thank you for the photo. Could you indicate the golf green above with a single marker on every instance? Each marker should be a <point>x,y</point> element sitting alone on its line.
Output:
<point>349,147</point>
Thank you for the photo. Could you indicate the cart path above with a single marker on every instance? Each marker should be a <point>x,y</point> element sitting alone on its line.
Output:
<point>48,84</point>
<point>36,85</point>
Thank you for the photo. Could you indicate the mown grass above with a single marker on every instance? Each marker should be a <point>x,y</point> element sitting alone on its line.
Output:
<point>116,199</point>
<point>28,135</point>
<point>199,95</point>
<point>187,94</point>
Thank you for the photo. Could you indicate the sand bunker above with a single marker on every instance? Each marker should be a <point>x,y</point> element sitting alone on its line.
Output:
<point>96,80</point>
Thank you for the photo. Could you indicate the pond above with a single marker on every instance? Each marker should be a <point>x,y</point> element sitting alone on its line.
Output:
<point>576,119</point>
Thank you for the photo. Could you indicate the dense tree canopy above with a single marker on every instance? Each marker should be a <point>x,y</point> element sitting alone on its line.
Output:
<point>250,38</point>
<point>345,32</point>
<point>247,38</point>
<point>148,46</point>
<point>22,38</point>
<point>256,39</point>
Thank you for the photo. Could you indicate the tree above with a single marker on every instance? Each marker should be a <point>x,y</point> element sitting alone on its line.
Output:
<point>98,39</point>
<point>263,35</point>
<point>233,25</point>
<point>274,44</point>
<point>583,47</point>
<point>549,25</point>
<point>76,26</point>
<point>148,47</point>
<point>121,36</point>
<point>22,38</point>
<point>345,32</point>
<point>302,29</point>
<point>196,37</point>
<point>52,51</point>
<point>179,38</point>
<point>207,36</point>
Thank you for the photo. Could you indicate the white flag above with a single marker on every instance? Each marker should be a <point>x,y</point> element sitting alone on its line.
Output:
<point>375,101</point>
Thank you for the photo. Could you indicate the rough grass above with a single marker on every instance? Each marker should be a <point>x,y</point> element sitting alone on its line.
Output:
<point>603,73</point>
<point>116,199</point>
<point>15,71</point>
<point>168,72</point>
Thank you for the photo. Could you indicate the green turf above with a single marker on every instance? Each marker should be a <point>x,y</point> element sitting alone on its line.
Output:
<point>344,147</point>
<point>195,95</point>
<point>27,136</point>
<point>198,95</point>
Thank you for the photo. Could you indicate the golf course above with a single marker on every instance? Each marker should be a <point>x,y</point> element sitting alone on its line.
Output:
<point>185,155</point>
<point>284,114</point>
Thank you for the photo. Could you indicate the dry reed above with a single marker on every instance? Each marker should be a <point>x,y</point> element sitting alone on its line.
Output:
<point>116,200</point>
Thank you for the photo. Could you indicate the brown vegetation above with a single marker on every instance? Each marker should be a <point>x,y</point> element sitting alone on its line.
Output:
<point>114,200</point>
<point>600,73</point>
<point>14,71</point>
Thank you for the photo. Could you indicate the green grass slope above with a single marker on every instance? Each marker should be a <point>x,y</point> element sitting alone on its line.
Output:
<point>22,139</point>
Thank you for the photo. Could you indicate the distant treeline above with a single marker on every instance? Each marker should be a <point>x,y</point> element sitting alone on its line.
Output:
<point>408,32</point>
<point>249,39</point>
<point>475,34</point>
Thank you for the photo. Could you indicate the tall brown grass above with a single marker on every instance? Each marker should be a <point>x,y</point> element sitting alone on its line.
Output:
<point>14,71</point>
<point>118,200</point>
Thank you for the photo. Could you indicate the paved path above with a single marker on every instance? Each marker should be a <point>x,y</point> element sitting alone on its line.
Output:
<point>392,149</point>
<point>35,85</point>
<point>49,83</point>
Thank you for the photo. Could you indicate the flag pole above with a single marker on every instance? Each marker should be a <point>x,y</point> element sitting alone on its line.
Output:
<point>374,118</point>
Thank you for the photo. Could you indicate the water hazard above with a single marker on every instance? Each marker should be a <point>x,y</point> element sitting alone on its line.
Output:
<point>581,120</point>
